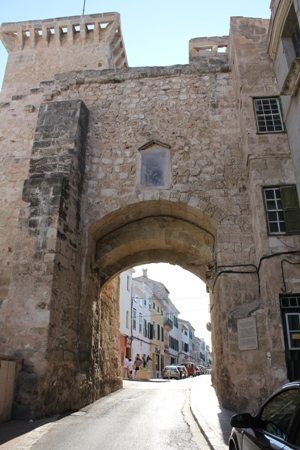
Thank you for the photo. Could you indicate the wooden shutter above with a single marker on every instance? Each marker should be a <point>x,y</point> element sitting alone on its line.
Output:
<point>150,330</point>
<point>291,209</point>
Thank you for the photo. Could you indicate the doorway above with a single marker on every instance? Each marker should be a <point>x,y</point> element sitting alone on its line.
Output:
<point>290,313</point>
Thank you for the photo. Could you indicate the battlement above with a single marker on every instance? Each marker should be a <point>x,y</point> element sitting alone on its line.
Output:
<point>211,52</point>
<point>39,49</point>
<point>208,46</point>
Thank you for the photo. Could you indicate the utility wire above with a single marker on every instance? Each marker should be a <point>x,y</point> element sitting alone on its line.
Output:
<point>160,315</point>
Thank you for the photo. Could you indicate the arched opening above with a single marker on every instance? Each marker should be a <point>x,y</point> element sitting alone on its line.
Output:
<point>154,231</point>
<point>140,233</point>
<point>164,312</point>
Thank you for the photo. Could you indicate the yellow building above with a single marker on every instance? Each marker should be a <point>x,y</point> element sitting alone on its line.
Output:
<point>155,324</point>
<point>157,344</point>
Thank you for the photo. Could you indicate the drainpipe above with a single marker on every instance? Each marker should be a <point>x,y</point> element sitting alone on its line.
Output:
<point>131,334</point>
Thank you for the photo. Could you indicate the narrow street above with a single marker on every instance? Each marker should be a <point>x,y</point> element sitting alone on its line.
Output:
<point>143,415</point>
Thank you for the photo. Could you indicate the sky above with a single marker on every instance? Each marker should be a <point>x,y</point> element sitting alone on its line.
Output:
<point>155,33</point>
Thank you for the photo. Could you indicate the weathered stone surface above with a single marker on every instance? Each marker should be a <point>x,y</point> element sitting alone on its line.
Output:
<point>83,213</point>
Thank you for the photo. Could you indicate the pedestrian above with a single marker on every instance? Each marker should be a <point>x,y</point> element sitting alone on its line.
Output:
<point>148,361</point>
<point>137,362</point>
<point>125,367</point>
<point>144,360</point>
<point>130,369</point>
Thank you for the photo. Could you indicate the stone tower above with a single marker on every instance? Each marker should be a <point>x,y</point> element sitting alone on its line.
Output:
<point>37,50</point>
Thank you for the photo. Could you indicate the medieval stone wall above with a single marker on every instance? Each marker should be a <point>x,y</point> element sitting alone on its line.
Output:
<point>72,150</point>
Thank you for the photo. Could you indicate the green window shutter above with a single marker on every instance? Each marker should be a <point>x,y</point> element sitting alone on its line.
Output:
<point>291,209</point>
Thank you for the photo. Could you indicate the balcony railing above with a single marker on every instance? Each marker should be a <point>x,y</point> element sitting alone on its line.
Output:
<point>168,324</point>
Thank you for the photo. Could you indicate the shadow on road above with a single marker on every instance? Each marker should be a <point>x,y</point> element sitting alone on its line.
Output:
<point>16,428</point>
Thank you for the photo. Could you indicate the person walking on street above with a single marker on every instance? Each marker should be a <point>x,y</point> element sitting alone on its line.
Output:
<point>137,362</point>
<point>130,369</point>
<point>125,367</point>
<point>148,362</point>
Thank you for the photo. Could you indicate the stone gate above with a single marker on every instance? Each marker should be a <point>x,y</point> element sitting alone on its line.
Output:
<point>104,167</point>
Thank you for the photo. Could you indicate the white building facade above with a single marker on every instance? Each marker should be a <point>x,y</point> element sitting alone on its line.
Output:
<point>125,313</point>
<point>150,327</point>
<point>141,319</point>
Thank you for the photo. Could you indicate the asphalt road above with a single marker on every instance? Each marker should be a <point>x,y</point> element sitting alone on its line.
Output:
<point>141,416</point>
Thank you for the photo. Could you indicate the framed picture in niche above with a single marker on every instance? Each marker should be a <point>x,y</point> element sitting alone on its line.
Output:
<point>155,171</point>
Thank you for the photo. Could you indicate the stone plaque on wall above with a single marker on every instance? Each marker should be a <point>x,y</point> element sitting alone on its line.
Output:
<point>247,335</point>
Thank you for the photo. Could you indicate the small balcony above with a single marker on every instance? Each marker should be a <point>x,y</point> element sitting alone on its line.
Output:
<point>168,324</point>
<point>292,80</point>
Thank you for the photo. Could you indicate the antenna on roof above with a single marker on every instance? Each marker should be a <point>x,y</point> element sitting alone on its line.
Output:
<point>83,7</point>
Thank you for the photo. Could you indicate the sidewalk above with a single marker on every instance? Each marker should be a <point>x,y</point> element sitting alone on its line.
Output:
<point>213,420</point>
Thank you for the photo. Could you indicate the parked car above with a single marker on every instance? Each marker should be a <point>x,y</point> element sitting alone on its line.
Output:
<point>198,371</point>
<point>183,371</point>
<point>191,368</point>
<point>171,372</point>
<point>203,370</point>
<point>276,426</point>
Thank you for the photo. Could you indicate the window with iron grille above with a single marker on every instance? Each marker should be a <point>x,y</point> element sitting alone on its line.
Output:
<point>282,209</point>
<point>290,301</point>
<point>268,115</point>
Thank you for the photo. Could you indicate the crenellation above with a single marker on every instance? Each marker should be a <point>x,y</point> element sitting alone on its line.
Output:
<point>31,33</point>
<point>205,45</point>
<point>212,51</point>
<point>84,42</point>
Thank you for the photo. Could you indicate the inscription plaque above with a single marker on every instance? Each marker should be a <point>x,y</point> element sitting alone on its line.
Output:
<point>247,334</point>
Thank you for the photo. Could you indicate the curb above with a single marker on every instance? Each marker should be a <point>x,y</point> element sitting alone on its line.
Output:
<point>200,427</point>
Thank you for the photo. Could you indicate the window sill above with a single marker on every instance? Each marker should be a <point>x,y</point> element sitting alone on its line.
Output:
<point>262,133</point>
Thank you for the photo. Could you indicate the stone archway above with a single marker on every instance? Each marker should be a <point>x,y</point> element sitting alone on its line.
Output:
<point>83,210</point>
<point>163,231</point>
<point>153,235</point>
<point>143,232</point>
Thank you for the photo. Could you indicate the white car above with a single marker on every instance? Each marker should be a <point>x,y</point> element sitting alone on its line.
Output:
<point>171,372</point>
